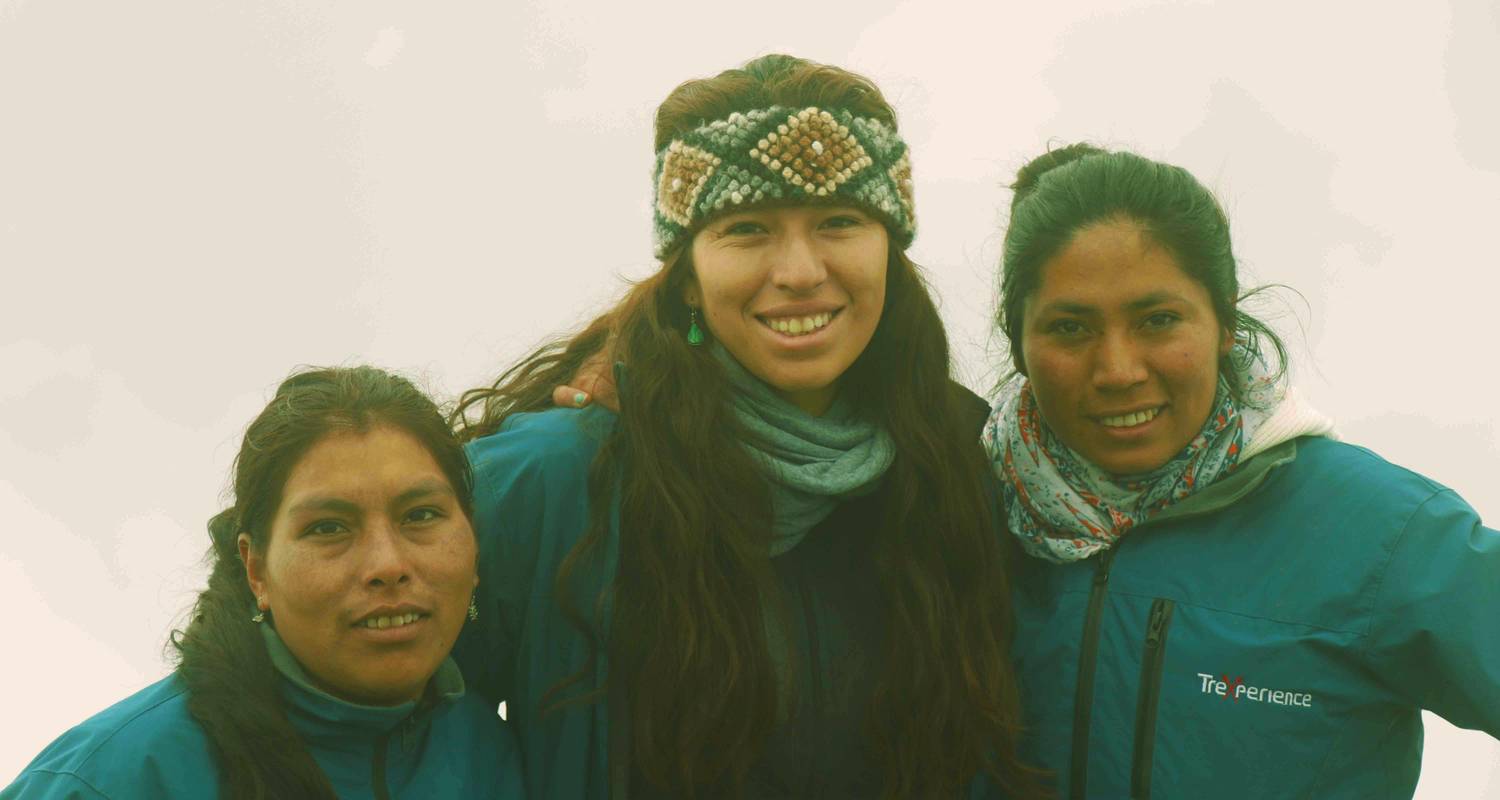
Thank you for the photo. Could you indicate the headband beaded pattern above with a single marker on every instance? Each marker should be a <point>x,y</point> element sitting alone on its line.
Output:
<point>782,156</point>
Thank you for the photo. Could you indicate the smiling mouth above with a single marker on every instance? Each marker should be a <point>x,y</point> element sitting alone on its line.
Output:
<point>395,621</point>
<point>799,326</point>
<point>1131,420</point>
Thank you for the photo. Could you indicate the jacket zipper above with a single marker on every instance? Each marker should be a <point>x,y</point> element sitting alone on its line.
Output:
<point>1083,698</point>
<point>1153,658</point>
<point>377,774</point>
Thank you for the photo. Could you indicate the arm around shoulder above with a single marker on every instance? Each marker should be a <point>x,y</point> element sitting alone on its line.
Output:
<point>530,508</point>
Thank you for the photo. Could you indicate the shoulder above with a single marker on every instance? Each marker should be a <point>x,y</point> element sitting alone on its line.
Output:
<point>471,720</point>
<point>973,410</point>
<point>1335,468</point>
<point>472,726</point>
<point>479,750</point>
<point>1331,489</point>
<point>533,472</point>
<point>141,746</point>
<point>531,506</point>
<point>555,440</point>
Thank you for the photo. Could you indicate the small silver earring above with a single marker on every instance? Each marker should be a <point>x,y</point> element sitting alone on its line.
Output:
<point>260,613</point>
<point>473,609</point>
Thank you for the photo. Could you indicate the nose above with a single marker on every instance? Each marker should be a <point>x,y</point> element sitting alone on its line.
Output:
<point>1118,364</point>
<point>798,265</point>
<point>385,559</point>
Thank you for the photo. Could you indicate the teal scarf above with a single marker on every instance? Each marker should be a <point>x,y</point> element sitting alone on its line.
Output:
<point>812,463</point>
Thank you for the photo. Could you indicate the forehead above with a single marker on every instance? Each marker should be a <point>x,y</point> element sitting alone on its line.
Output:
<point>351,464</point>
<point>1112,264</point>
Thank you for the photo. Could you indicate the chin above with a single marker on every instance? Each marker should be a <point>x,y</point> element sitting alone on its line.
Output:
<point>1130,465</point>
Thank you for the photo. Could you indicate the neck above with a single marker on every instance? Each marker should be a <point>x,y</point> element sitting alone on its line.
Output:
<point>815,402</point>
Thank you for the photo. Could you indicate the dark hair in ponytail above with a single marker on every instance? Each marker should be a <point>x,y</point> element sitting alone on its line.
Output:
<point>232,686</point>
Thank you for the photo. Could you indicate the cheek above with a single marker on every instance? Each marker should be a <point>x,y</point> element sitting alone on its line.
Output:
<point>725,301</point>
<point>1194,366</point>
<point>1052,372</point>
<point>453,562</point>
<point>301,580</point>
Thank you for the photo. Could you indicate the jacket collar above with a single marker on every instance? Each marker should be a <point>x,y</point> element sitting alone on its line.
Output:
<point>1228,490</point>
<point>324,719</point>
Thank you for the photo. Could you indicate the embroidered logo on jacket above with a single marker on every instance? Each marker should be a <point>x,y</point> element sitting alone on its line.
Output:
<point>1235,689</point>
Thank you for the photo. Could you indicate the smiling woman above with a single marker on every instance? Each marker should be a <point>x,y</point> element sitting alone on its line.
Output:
<point>774,573</point>
<point>1220,594</point>
<point>794,294</point>
<point>1123,348</point>
<point>369,566</point>
<point>316,662</point>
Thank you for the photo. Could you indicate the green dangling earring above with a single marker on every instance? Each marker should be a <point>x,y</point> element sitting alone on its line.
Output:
<point>695,333</point>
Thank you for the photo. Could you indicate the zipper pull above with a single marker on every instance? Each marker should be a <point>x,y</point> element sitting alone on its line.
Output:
<point>1101,574</point>
<point>1156,623</point>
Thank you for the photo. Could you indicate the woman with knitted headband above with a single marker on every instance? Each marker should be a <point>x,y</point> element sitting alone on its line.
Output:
<point>774,573</point>
<point>1223,600</point>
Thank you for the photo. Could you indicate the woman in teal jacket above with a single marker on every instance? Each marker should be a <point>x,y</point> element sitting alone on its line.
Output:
<point>1224,601</point>
<point>774,573</point>
<point>316,663</point>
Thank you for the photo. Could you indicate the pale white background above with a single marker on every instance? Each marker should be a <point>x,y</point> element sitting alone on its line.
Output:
<point>195,196</point>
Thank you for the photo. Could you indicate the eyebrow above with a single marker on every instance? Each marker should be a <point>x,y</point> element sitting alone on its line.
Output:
<point>323,504</point>
<point>1142,302</point>
<point>431,487</point>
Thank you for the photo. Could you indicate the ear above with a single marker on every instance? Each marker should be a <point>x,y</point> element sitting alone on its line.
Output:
<point>255,573</point>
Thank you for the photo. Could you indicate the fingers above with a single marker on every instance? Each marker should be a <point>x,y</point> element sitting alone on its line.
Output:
<point>570,397</point>
<point>596,379</point>
<point>593,383</point>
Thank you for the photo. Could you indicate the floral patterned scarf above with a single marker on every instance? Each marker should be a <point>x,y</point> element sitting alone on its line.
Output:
<point>1064,508</point>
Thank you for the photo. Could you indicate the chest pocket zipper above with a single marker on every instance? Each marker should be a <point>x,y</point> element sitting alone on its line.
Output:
<point>1153,658</point>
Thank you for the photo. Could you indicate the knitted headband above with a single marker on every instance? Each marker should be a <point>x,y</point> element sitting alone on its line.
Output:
<point>782,156</point>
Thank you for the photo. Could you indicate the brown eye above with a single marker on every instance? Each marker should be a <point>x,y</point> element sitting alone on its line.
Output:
<point>1161,320</point>
<point>423,514</point>
<point>1066,327</point>
<point>744,229</point>
<point>325,527</point>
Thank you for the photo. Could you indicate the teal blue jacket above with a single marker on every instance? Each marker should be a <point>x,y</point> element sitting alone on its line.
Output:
<point>1277,635</point>
<point>531,507</point>
<point>147,746</point>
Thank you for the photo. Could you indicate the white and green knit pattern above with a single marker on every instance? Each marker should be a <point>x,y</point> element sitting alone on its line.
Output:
<point>778,156</point>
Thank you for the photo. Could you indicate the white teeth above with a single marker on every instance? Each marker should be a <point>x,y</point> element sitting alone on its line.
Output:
<point>1130,420</point>
<point>380,623</point>
<point>799,326</point>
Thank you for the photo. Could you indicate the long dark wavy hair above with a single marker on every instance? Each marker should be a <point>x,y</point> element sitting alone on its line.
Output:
<point>222,659</point>
<point>687,637</point>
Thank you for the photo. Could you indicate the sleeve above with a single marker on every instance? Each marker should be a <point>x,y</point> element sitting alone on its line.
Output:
<point>530,506</point>
<point>42,784</point>
<point>1435,636</point>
